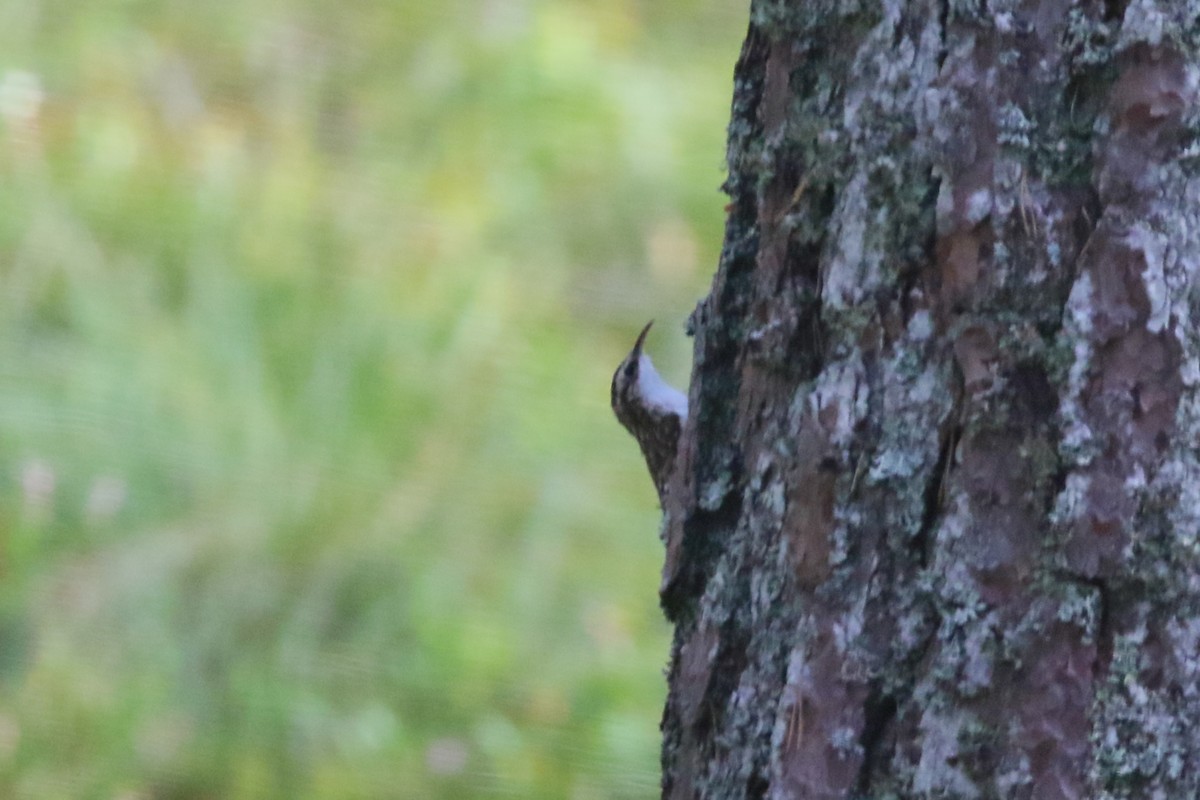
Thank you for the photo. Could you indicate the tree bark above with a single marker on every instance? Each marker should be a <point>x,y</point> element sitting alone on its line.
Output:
<point>935,521</point>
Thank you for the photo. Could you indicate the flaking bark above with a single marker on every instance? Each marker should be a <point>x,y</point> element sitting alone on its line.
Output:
<point>935,526</point>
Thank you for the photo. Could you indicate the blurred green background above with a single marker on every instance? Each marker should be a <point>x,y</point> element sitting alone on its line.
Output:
<point>309,487</point>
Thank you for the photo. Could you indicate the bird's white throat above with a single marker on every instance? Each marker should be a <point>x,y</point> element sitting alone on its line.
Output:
<point>658,393</point>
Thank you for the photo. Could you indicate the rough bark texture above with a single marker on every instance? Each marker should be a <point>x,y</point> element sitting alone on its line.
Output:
<point>935,526</point>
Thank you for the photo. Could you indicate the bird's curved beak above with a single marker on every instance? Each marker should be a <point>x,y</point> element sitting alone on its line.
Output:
<point>637,346</point>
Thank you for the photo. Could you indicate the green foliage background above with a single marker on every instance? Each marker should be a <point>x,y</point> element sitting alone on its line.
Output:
<point>309,487</point>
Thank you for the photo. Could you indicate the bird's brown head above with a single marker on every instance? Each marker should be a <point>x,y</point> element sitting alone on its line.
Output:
<point>625,379</point>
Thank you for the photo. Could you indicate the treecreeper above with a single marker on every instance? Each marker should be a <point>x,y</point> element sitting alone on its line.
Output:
<point>652,410</point>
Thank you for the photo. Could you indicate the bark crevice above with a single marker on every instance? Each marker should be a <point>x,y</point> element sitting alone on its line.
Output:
<point>879,712</point>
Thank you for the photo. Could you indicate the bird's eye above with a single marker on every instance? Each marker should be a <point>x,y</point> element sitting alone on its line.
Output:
<point>630,368</point>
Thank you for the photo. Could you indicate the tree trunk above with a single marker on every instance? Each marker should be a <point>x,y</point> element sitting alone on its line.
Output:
<point>934,525</point>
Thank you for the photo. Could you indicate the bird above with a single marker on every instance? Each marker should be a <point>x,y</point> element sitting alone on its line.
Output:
<point>650,409</point>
